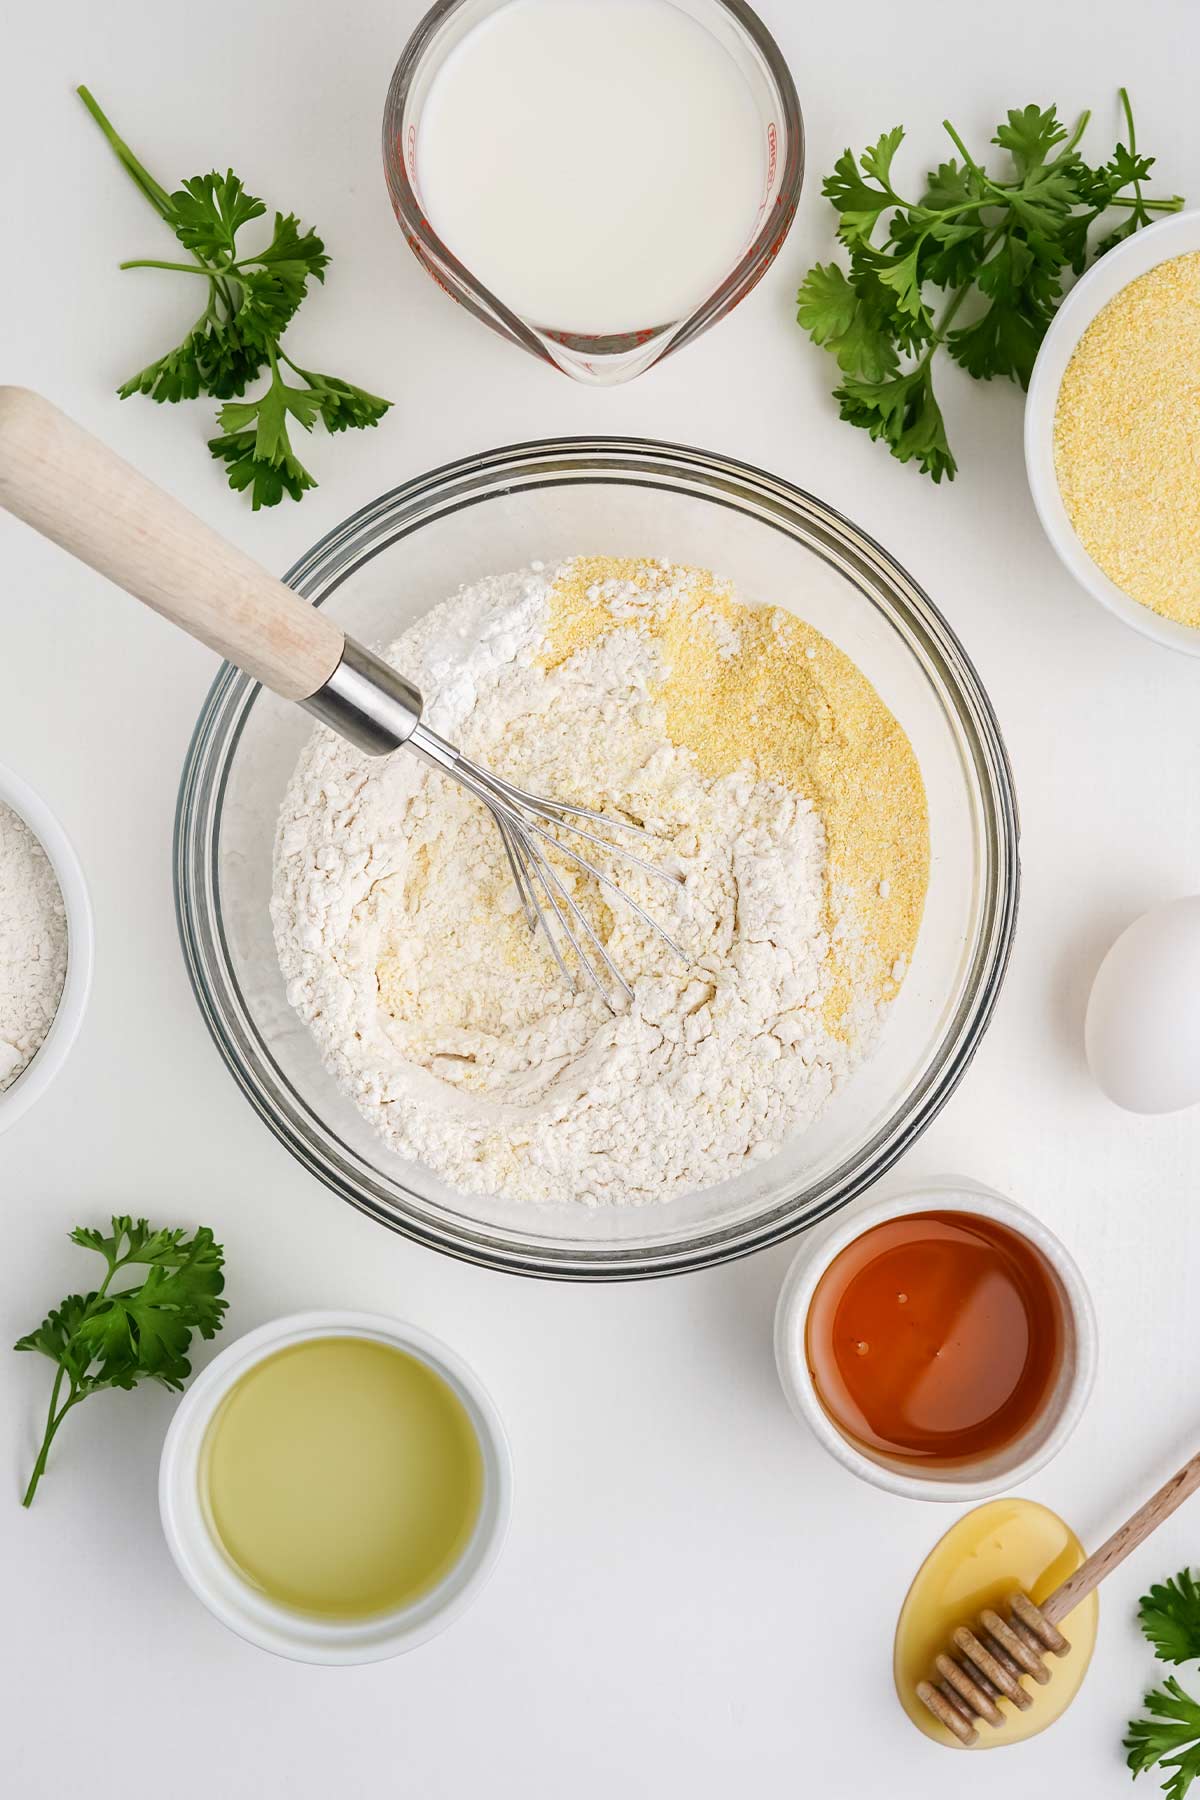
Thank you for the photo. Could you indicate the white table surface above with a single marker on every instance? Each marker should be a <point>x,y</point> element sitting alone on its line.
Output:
<point>688,1577</point>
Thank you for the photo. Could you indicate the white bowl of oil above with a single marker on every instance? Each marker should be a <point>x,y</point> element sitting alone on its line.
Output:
<point>336,1487</point>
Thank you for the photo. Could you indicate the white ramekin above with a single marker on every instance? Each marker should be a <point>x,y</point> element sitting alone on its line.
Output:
<point>242,1607</point>
<point>1175,235</point>
<point>36,1077</point>
<point>1048,1432</point>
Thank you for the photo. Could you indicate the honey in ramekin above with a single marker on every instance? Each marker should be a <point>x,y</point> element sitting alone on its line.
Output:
<point>936,1339</point>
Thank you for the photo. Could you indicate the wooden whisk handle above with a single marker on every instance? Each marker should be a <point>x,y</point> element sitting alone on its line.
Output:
<point>80,494</point>
<point>1127,1537</point>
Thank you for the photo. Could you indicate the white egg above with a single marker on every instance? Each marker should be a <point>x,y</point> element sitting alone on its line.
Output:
<point>1143,1018</point>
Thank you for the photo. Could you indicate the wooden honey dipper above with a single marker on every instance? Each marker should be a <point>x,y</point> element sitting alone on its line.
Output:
<point>991,1662</point>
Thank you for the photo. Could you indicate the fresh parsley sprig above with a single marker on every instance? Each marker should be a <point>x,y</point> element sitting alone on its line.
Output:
<point>1169,1616</point>
<point>250,300</point>
<point>118,1336</point>
<point>1169,1738</point>
<point>1006,245</point>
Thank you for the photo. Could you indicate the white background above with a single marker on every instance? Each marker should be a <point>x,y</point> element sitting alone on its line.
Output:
<point>693,1597</point>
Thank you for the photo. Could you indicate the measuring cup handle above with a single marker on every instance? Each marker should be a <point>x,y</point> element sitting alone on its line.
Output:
<point>81,495</point>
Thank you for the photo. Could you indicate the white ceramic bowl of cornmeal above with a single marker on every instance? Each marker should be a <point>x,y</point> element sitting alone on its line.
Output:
<point>1112,435</point>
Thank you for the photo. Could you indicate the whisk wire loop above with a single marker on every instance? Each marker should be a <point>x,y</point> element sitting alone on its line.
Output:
<point>560,894</point>
<point>522,819</point>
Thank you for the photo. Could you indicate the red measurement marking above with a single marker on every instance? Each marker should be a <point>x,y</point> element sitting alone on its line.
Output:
<point>426,262</point>
<point>777,246</point>
<point>772,154</point>
<point>412,152</point>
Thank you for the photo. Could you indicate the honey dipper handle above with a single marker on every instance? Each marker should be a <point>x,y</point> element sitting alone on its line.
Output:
<point>80,494</point>
<point>1127,1537</point>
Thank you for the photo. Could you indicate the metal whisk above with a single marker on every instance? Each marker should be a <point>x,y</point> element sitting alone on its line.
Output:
<point>75,491</point>
<point>367,701</point>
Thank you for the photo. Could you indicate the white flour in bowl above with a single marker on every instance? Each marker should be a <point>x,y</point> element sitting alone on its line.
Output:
<point>33,945</point>
<point>404,947</point>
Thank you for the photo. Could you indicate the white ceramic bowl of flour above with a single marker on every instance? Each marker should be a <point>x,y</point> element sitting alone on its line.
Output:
<point>25,898</point>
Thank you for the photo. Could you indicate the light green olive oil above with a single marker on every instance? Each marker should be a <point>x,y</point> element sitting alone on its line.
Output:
<point>342,1477</point>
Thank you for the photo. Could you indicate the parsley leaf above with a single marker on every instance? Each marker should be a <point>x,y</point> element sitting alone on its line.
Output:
<point>836,314</point>
<point>1029,136</point>
<point>953,250</point>
<point>272,283</point>
<point>55,1336</point>
<point>1170,1738</point>
<point>342,406</point>
<point>1169,1616</point>
<point>220,361</point>
<point>906,414</point>
<point>903,275</point>
<point>949,187</point>
<point>175,376</point>
<point>1004,341</point>
<point>1043,201</point>
<point>256,446</point>
<point>877,161</point>
<point>118,1336</point>
<point>251,299</point>
<point>230,362</point>
<point>268,482</point>
<point>861,205</point>
<point>255,443</point>
<point>209,211</point>
<point>999,246</point>
<point>293,251</point>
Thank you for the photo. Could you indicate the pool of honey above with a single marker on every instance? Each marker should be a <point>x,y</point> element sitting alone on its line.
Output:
<point>936,1338</point>
<point>983,1559</point>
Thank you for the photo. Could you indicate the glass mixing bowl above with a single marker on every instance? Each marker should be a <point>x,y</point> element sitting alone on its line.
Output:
<point>387,565</point>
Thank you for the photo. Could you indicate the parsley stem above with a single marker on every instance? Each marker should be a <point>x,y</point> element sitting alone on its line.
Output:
<point>53,1421</point>
<point>1128,111</point>
<point>944,323</point>
<point>1080,128</point>
<point>304,374</point>
<point>150,262</point>
<point>966,154</point>
<point>1139,206</point>
<point>156,195</point>
<point>1174,204</point>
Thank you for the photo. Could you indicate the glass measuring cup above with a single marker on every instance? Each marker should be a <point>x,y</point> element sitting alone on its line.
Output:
<point>600,360</point>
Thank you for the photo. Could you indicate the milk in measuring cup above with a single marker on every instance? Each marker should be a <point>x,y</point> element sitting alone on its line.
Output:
<point>598,165</point>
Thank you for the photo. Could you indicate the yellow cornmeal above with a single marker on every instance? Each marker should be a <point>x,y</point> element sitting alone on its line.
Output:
<point>1127,439</point>
<point>754,684</point>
